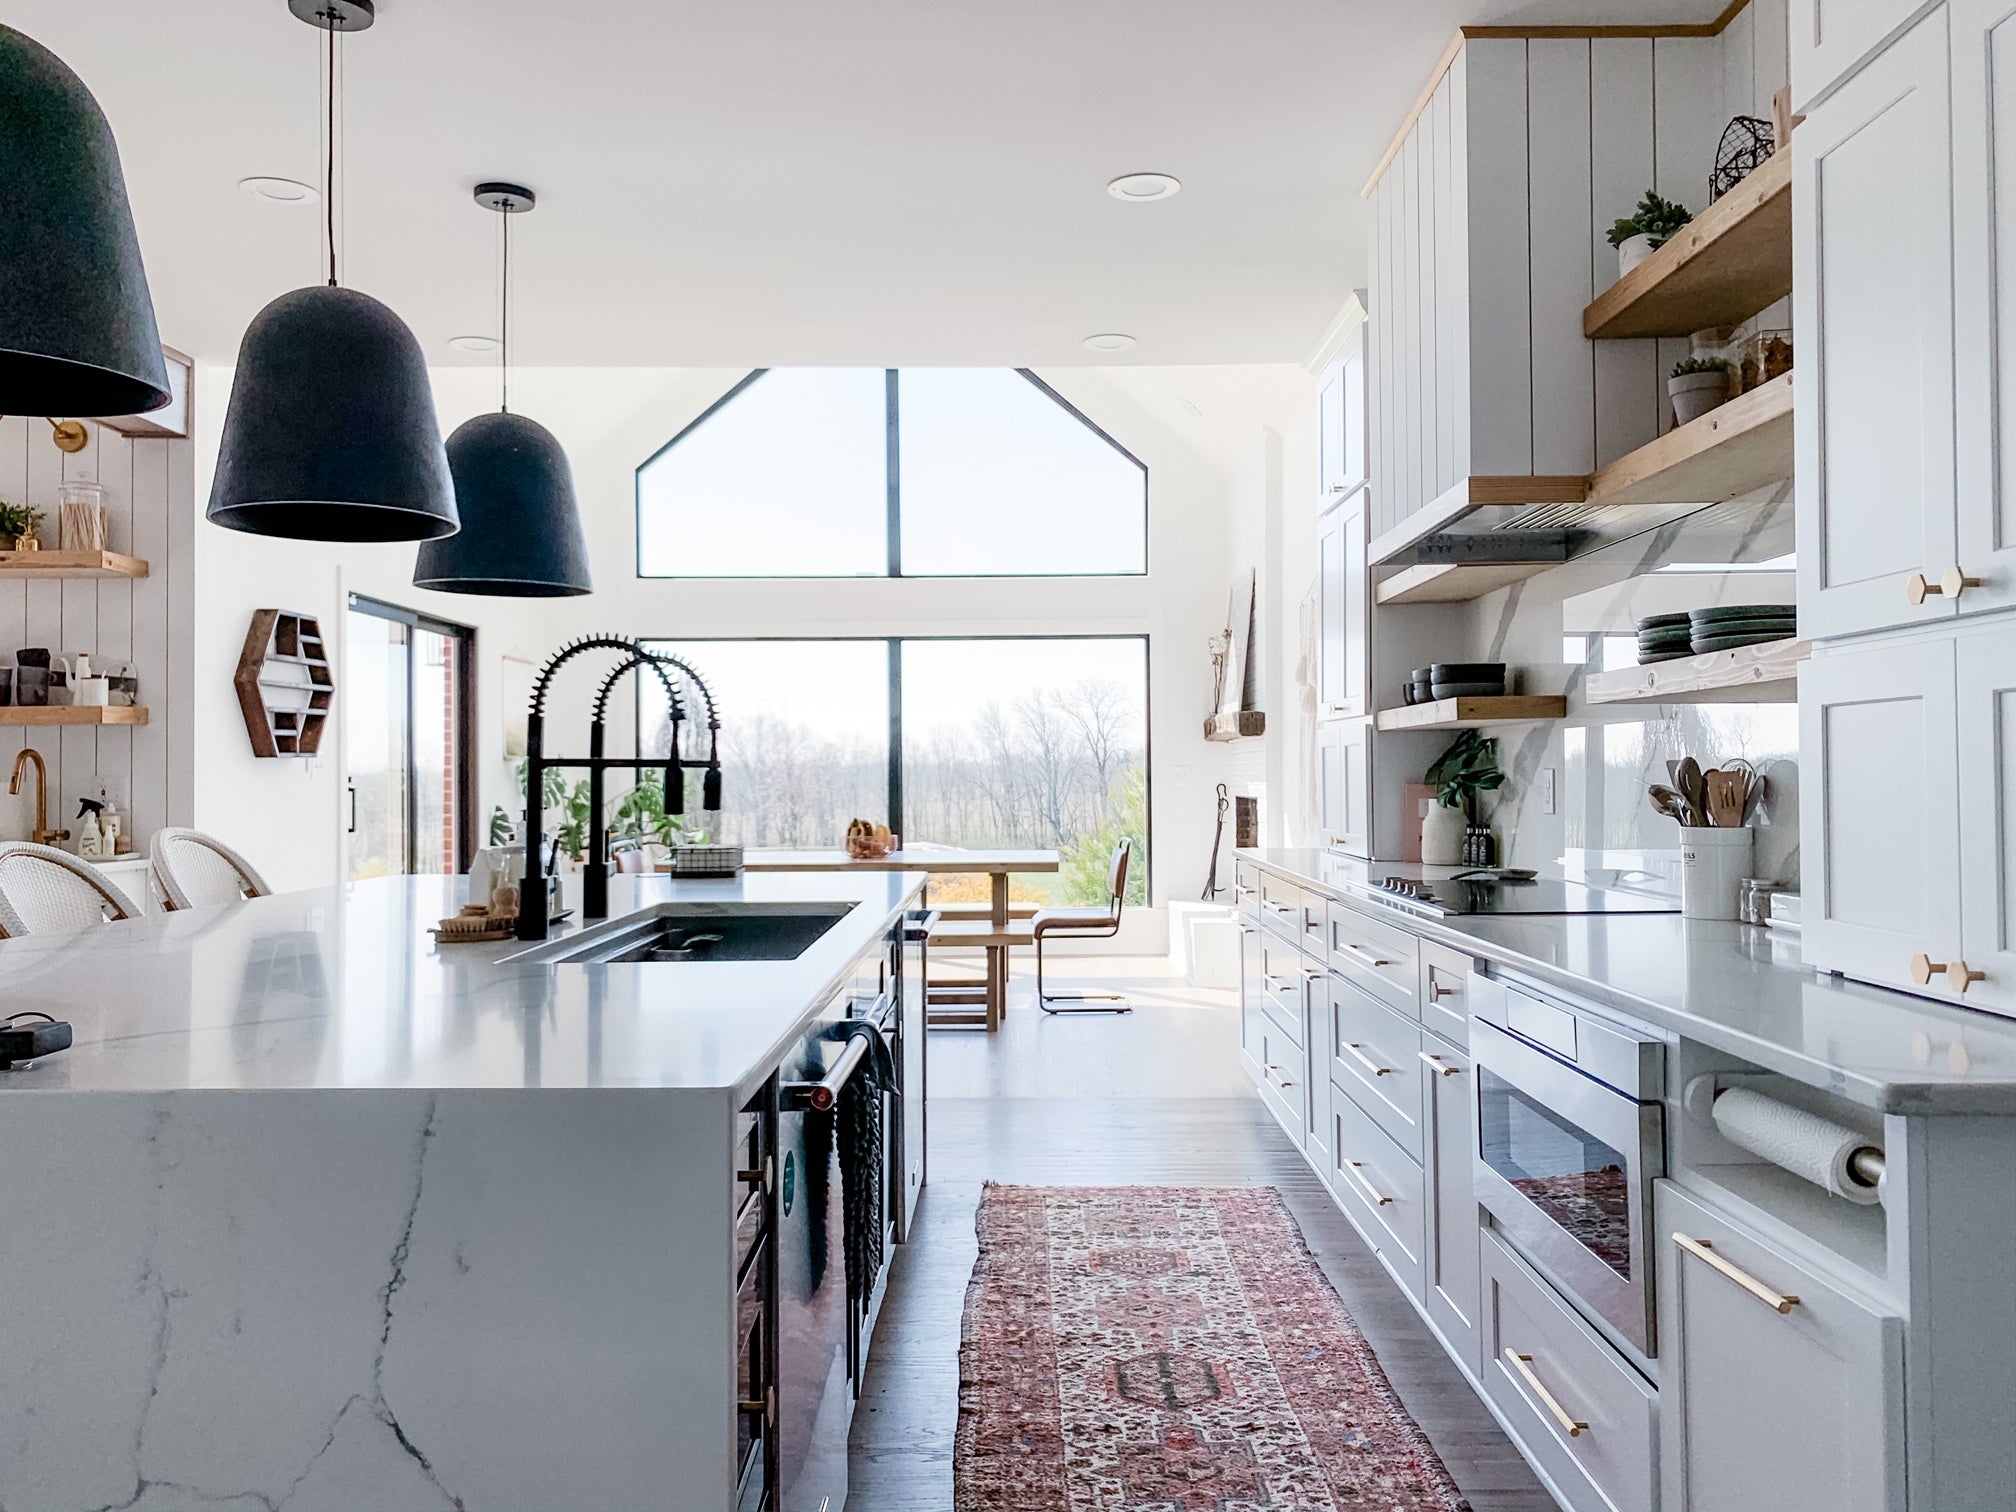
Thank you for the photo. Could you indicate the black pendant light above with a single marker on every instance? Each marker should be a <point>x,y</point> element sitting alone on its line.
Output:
<point>521,529</point>
<point>331,433</point>
<point>77,332</point>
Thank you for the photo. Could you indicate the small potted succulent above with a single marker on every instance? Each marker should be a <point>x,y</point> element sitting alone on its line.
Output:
<point>1646,229</point>
<point>1696,386</point>
<point>18,524</point>
<point>1467,768</point>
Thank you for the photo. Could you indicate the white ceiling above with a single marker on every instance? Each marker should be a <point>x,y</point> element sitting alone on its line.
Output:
<point>795,181</point>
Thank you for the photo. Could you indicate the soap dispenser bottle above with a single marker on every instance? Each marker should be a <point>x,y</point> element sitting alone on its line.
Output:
<point>111,825</point>
<point>90,839</point>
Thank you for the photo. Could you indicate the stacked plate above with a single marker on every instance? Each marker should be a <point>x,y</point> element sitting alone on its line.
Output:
<point>1732,625</point>
<point>1662,637</point>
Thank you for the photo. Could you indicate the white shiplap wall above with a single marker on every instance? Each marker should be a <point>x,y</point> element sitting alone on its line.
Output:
<point>150,512</point>
<point>1488,241</point>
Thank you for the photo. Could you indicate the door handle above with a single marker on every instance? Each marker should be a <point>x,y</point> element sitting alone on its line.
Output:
<point>1435,1063</point>
<point>353,809</point>
<point>1959,975</point>
<point>1573,1427</point>
<point>1779,1302</point>
<point>1360,953</point>
<point>1952,583</point>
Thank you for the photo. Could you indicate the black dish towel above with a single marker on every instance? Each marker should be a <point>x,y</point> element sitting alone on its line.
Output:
<point>863,1158</point>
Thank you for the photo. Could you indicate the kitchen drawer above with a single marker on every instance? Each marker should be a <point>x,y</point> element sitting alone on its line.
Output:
<point>1380,1186</point>
<point>1378,956</point>
<point>1284,983</point>
<point>1444,1007</point>
<point>1375,1057</point>
<point>1281,904</point>
<point>1581,1413</point>
<point>1282,1085</point>
<point>1246,889</point>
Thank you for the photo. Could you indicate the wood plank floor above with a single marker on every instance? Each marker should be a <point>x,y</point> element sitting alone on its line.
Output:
<point>1156,1097</point>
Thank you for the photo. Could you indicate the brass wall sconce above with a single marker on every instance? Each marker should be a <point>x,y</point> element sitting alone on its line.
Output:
<point>70,435</point>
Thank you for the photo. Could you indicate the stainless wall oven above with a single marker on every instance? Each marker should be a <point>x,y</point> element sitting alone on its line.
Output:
<point>1570,1137</point>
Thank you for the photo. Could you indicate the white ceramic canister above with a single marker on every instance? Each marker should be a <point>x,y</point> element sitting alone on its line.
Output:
<point>1713,864</point>
<point>1442,831</point>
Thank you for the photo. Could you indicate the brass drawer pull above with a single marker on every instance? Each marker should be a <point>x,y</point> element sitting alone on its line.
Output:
<point>1959,975</point>
<point>1366,1061</point>
<point>1281,1081</point>
<point>1311,974</point>
<point>1573,1427</point>
<point>1357,1170</point>
<point>1700,1249</point>
<point>1436,991</point>
<point>1279,984</point>
<point>1283,908</point>
<point>1360,953</point>
<point>1435,1063</point>
<point>1952,583</point>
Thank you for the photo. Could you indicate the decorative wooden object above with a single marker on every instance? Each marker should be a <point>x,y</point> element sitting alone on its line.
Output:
<point>1243,725</point>
<point>66,564</point>
<point>284,683</point>
<point>1765,673</point>
<point>1468,713</point>
<point>1742,444</point>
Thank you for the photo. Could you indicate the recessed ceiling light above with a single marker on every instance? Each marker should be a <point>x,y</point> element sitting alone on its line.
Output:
<point>1143,186</point>
<point>282,191</point>
<point>1108,341</point>
<point>473,343</point>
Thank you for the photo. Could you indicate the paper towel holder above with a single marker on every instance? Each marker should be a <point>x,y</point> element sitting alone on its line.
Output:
<point>1866,1165</point>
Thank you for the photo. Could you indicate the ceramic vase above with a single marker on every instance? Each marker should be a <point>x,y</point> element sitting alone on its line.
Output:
<point>1633,250</point>
<point>1442,832</point>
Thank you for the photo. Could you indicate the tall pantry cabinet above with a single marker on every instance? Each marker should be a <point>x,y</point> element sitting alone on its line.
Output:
<point>1905,250</point>
<point>1343,607</point>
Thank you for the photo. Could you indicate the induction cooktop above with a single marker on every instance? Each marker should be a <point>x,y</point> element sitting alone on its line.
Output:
<point>1494,892</point>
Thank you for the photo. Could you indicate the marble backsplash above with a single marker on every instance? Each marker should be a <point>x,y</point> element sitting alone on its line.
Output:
<point>1554,630</point>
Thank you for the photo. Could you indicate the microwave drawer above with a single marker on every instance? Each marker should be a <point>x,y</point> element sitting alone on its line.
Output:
<point>1375,1058</point>
<point>1378,956</point>
<point>1574,1403</point>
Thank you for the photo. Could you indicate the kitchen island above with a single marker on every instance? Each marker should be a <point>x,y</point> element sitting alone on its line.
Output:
<point>317,1213</point>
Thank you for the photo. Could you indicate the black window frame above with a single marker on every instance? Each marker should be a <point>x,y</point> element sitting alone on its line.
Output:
<point>893,484</point>
<point>465,724</point>
<point>893,645</point>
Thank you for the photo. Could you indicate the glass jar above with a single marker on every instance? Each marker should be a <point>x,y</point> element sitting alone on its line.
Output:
<point>1753,899</point>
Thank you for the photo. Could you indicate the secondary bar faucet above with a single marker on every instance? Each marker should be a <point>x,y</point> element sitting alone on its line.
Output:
<point>42,834</point>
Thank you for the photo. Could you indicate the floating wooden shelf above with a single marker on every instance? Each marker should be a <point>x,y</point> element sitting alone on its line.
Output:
<point>1766,673</point>
<point>1244,725</point>
<point>70,564</point>
<point>1454,584</point>
<point>1723,267</point>
<point>72,714</point>
<point>1734,449</point>
<point>1468,713</point>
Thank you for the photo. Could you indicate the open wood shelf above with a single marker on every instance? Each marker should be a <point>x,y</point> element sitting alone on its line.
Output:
<point>1766,673</point>
<point>1243,725</point>
<point>1735,448</point>
<point>70,564</point>
<point>72,714</point>
<point>1468,713</point>
<point>1456,583</point>
<point>1722,267</point>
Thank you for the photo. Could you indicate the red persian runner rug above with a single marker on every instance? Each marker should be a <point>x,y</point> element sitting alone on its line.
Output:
<point>1171,1349</point>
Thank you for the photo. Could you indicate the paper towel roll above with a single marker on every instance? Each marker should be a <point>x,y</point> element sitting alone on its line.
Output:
<point>1803,1143</point>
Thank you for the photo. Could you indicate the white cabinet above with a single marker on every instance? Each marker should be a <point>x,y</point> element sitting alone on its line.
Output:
<point>1878,813</point>
<point>1984,295</point>
<point>1342,602</point>
<point>1340,411</point>
<point>1344,785</point>
<point>1777,1388</point>
<point>1829,37</point>
<point>1873,300</point>
<point>1450,1252</point>
<point>1986,684</point>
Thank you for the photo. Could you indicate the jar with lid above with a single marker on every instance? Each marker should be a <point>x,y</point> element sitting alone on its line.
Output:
<point>1753,899</point>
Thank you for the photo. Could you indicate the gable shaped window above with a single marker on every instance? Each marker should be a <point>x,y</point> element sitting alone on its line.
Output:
<point>874,472</point>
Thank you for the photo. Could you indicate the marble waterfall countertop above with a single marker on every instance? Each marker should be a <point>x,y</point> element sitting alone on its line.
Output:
<point>1732,987</point>
<point>342,987</point>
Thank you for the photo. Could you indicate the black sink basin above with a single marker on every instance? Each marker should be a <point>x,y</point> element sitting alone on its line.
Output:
<point>691,933</point>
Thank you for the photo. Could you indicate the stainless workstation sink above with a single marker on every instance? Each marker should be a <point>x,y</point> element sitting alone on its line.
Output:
<point>688,933</point>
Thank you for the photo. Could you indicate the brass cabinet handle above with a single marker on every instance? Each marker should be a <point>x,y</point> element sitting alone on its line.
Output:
<point>1437,991</point>
<point>1366,1061</point>
<point>1952,583</point>
<point>1280,1080</point>
<point>1357,1170</point>
<point>1959,975</point>
<point>1779,1302</point>
<point>1359,952</point>
<point>1279,984</point>
<point>1435,1063</point>
<point>1311,974</point>
<point>1573,1427</point>
<point>1282,908</point>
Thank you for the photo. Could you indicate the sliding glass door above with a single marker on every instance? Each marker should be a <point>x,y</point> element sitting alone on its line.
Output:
<point>408,732</point>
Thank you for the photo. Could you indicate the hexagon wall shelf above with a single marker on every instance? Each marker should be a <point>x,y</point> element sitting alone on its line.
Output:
<point>285,683</point>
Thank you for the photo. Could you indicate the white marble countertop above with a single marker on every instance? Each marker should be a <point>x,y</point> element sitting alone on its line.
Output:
<point>343,988</point>
<point>1733,987</point>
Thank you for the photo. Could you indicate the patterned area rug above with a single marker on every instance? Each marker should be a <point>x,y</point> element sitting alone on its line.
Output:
<point>1171,1349</point>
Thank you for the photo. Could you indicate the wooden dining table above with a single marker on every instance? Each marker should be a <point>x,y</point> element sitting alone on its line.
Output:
<point>995,937</point>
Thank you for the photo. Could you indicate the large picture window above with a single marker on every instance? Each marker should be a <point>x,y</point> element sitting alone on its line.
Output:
<point>873,472</point>
<point>999,742</point>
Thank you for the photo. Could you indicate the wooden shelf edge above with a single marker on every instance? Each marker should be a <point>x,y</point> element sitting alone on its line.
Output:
<point>1469,713</point>
<point>1742,221</point>
<point>72,714</point>
<point>55,564</point>
<point>1468,494</point>
<point>1457,582</point>
<point>1764,673</point>
<point>1736,447</point>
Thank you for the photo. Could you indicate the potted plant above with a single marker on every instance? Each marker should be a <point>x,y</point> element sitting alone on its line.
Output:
<point>1696,386</point>
<point>1467,768</point>
<point>1646,229</point>
<point>18,523</point>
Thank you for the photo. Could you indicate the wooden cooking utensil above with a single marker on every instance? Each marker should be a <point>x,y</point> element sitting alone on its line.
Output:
<point>1726,792</point>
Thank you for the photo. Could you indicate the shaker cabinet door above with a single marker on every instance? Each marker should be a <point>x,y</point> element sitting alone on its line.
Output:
<point>1343,637</point>
<point>1986,669</point>
<point>1760,1407</point>
<point>1450,1254</point>
<point>1829,37</point>
<point>1344,781</point>
<point>1984,292</point>
<point>1872,231</point>
<point>1877,812</point>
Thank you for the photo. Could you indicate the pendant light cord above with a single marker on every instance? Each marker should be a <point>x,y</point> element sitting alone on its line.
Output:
<point>329,161</point>
<point>504,322</point>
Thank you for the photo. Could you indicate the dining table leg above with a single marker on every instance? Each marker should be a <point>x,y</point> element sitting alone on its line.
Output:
<point>997,960</point>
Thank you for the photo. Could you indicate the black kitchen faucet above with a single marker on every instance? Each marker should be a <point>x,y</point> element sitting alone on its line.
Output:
<point>533,919</point>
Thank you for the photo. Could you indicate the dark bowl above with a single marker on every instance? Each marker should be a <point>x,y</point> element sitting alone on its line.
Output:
<point>1467,672</point>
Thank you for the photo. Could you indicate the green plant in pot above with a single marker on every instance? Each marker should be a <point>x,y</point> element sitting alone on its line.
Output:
<point>1467,768</point>
<point>1646,229</point>
<point>16,521</point>
<point>1696,385</point>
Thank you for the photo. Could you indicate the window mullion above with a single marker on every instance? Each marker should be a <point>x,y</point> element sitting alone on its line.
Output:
<point>894,455</point>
